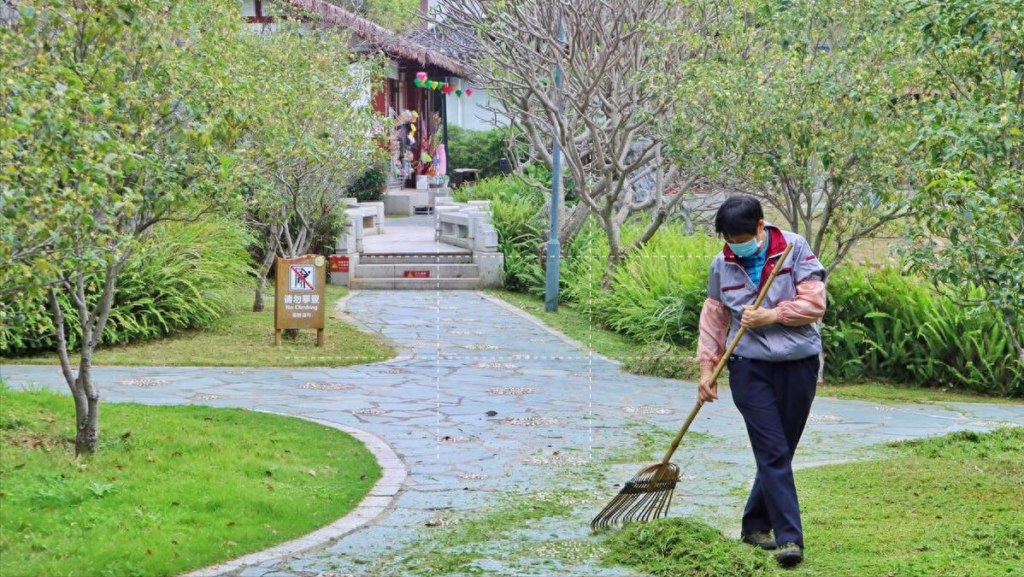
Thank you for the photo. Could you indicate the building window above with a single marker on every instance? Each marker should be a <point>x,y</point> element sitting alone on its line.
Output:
<point>258,17</point>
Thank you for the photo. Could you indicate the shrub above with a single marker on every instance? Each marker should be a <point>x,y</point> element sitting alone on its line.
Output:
<point>658,292</point>
<point>182,276</point>
<point>515,207</point>
<point>482,150</point>
<point>881,323</point>
<point>369,186</point>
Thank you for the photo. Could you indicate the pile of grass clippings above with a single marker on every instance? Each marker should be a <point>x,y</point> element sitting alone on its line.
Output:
<point>685,548</point>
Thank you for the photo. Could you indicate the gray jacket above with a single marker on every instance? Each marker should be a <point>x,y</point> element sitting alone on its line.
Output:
<point>730,284</point>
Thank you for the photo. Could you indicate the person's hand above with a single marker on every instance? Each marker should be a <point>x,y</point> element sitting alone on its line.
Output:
<point>707,391</point>
<point>754,318</point>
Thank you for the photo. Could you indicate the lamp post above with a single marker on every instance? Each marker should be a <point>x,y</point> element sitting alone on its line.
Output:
<point>554,247</point>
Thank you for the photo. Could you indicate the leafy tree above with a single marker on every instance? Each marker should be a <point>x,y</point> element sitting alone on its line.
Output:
<point>971,197</point>
<point>804,112</point>
<point>313,135</point>
<point>608,114</point>
<point>115,115</point>
<point>397,15</point>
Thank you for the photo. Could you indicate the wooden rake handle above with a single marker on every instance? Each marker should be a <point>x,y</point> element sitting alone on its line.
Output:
<point>725,358</point>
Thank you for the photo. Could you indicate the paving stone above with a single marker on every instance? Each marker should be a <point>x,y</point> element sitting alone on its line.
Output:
<point>556,409</point>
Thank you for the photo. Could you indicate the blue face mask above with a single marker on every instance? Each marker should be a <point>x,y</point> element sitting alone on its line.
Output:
<point>746,249</point>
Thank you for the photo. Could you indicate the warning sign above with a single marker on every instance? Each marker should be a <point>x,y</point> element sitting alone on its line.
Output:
<point>338,263</point>
<point>302,278</point>
<point>299,301</point>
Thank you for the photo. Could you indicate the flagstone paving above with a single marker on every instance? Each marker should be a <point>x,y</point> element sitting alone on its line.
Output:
<point>489,409</point>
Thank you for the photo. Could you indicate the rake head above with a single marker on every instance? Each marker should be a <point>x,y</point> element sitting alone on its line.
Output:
<point>644,497</point>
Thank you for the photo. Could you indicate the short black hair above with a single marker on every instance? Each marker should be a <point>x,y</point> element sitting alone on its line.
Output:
<point>738,215</point>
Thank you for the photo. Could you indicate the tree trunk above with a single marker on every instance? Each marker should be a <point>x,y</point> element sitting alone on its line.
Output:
<point>1014,337</point>
<point>87,416</point>
<point>573,223</point>
<point>609,271</point>
<point>262,272</point>
<point>92,322</point>
<point>257,301</point>
<point>612,229</point>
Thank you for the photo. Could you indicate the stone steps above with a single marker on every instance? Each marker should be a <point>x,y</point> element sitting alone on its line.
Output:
<point>417,272</point>
<point>413,270</point>
<point>417,283</point>
<point>417,258</point>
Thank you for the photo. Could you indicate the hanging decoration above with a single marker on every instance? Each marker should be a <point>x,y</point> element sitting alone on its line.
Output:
<point>424,81</point>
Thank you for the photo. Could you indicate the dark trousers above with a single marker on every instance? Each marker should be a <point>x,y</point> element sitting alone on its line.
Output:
<point>775,401</point>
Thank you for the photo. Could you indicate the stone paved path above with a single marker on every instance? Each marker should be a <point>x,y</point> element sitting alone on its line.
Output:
<point>485,405</point>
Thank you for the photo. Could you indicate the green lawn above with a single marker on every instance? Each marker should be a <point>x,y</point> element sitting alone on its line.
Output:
<point>170,488</point>
<point>246,339</point>
<point>679,362</point>
<point>954,509</point>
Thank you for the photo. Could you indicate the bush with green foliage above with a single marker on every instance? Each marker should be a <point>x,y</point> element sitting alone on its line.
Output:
<point>369,186</point>
<point>482,150</point>
<point>879,324</point>
<point>183,276</point>
<point>520,232</point>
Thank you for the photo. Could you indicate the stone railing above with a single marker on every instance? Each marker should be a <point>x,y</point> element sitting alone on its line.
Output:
<point>467,225</point>
<point>363,219</point>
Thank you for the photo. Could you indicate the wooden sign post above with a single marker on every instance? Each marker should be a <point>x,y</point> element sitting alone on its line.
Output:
<point>299,301</point>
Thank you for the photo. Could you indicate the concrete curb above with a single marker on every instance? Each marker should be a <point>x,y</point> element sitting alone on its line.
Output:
<point>552,331</point>
<point>377,502</point>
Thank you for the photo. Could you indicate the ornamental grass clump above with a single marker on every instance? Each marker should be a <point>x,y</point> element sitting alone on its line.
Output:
<point>881,323</point>
<point>183,276</point>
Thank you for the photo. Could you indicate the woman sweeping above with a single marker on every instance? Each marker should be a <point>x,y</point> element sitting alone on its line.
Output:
<point>773,371</point>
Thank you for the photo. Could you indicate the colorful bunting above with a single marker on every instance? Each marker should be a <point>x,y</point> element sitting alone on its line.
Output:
<point>423,81</point>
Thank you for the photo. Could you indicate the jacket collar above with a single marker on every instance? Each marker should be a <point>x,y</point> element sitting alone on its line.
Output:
<point>776,244</point>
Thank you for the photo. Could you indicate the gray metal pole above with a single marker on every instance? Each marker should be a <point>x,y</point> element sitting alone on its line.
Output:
<point>554,247</point>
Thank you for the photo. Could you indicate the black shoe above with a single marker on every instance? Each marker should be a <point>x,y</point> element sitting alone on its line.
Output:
<point>759,539</point>
<point>789,555</point>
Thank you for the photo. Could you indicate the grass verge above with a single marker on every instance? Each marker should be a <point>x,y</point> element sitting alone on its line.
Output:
<point>169,489</point>
<point>675,362</point>
<point>956,508</point>
<point>243,338</point>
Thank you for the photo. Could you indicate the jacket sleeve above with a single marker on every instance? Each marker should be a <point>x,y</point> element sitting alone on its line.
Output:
<point>807,307</point>
<point>714,328</point>
<point>805,264</point>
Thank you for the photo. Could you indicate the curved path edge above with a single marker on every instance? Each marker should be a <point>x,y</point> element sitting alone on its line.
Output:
<point>378,501</point>
<point>546,327</point>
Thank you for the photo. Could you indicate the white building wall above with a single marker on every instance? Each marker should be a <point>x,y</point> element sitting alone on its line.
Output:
<point>470,112</point>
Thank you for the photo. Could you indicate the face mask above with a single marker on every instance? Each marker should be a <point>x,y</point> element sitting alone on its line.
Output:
<point>745,249</point>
